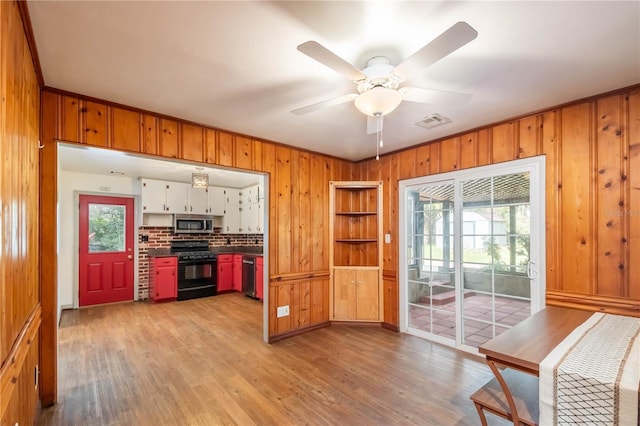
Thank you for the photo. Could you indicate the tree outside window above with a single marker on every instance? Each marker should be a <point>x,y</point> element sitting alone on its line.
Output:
<point>106,228</point>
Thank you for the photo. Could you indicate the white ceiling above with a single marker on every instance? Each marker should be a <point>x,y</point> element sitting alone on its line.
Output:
<point>234,65</point>
<point>84,159</point>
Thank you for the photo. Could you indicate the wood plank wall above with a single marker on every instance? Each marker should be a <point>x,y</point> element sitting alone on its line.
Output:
<point>592,151</point>
<point>298,199</point>
<point>20,312</point>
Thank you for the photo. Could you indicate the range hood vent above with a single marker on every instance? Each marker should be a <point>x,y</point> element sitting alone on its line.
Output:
<point>433,120</point>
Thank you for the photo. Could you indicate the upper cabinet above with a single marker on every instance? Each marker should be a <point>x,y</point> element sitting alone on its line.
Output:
<point>154,196</point>
<point>242,210</point>
<point>198,200</point>
<point>215,201</point>
<point>163,197</point>
<point>231,218</point>
<point>178,197</point>
<point>252,194</point>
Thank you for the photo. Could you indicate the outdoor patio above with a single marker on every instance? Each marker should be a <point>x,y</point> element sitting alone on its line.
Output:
<point>477,317</point>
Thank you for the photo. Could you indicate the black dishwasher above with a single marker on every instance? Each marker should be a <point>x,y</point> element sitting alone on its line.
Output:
<point>249,276</point>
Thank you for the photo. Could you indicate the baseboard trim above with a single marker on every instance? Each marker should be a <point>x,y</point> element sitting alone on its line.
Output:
<point>391,327</point>
<point>279,337</point>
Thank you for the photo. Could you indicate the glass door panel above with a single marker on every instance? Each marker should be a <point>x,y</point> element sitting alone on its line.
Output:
<point>430,267</point>
<point>495,291</point>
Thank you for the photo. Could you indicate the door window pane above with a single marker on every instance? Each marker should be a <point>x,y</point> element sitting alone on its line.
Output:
<point>106,228</point>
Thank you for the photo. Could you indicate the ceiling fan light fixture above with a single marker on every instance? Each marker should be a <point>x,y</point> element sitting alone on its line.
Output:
<point>378,101</point>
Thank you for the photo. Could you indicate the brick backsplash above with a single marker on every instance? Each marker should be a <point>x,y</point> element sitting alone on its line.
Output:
<point>161,237</point>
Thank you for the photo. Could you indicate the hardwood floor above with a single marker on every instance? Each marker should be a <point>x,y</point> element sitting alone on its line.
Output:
<point>203,362</point>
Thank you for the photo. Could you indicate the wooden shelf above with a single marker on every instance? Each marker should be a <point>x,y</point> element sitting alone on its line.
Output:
<point>356,240</point>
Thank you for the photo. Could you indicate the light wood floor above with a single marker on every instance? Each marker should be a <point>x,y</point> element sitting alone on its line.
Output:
<point>203,362</point>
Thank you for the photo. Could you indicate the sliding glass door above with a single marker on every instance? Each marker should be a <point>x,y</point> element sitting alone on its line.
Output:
<point>473,243</point>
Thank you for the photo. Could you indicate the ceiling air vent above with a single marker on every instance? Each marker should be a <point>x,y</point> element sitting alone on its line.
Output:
<point>433,120</point>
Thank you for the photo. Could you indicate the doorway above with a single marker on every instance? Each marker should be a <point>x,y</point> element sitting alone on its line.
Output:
<point>106,258</point>
<point>473,246</point>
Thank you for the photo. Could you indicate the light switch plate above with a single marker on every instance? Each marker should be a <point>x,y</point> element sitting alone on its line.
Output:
<point>387,238</point>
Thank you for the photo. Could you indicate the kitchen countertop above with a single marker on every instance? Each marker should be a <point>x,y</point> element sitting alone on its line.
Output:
<point>160,252</point>
<point>238,250</point>
<point>165,252</point>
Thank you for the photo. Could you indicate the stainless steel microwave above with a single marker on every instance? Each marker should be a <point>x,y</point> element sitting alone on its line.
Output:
<point>191,224</point>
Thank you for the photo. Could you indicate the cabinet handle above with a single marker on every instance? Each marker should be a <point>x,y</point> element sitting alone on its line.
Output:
<point>185,208</point>
<point>352,282</point>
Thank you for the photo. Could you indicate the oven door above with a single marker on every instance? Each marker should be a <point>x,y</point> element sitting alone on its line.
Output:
<point>196,278</point>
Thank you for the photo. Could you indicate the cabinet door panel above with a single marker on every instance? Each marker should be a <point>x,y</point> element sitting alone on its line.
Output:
<point>153,196</point>
<point>237,272</point>
<point>198,200</point>
<point>216,201</point>
<point>344,294</point>
<point>368,295</point>
<point>231,219</point>
<point>225,275</point>
<point>177,197</point>
<point>165,285</point>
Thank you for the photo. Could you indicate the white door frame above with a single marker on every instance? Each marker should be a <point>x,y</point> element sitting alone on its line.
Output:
<point>536,167</point>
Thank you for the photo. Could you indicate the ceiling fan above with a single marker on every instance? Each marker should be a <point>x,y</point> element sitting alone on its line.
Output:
<point>378,84</point>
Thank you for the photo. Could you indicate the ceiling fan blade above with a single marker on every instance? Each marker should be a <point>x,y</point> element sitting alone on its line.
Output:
<point>449,41</point>
<point>316,51</point>
<point>374,124</point>
<point>433,96</point>
<point>324,104</point>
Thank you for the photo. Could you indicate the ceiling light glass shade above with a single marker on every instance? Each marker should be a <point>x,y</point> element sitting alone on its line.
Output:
<point>378,101</point>
<point>199,180</point>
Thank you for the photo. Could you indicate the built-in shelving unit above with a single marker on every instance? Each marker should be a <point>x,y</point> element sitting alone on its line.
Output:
<point>356,252</point>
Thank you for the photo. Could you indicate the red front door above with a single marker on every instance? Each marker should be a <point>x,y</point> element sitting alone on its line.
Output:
<point>106,249</point>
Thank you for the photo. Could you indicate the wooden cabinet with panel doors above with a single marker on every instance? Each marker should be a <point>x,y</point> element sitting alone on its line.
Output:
<point>163,278</point>
<point>355,257</point>
<point>225,272</point>
<point>237,272</point>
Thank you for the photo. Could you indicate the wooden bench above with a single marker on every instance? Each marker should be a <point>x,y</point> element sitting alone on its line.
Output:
<point>524,388</point>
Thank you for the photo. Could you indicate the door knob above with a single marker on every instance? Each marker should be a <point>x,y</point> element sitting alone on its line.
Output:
<point>129,257</point>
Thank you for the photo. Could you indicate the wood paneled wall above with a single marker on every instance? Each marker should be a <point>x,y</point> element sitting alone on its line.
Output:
<point>298,198</point>
<point>592,151</point>
<point>20,313</point>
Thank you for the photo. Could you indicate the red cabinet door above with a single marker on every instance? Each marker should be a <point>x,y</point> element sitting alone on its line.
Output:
<point>237,272</point>
<point>164,279</point>
<point>225,272</point>
<point>259,277</point>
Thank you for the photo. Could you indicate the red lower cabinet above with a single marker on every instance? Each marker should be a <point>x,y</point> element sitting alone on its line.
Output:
<point>259,277</point>
<point>225,272</point>
<point>237,272</point>
<point>163,278</point>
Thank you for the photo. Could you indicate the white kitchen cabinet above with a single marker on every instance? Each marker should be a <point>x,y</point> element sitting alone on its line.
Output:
<point>251,194</point>
<point>216,201</point>
<point>251,218</point>
<point>198,200</point>
<point>177,197</point>
<point>153,194</point>
<point>232,212</point>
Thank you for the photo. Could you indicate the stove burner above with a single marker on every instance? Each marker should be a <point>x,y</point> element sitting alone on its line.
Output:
<point>192,250</point>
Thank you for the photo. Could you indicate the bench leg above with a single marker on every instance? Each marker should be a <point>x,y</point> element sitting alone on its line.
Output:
<point>483,419</point>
